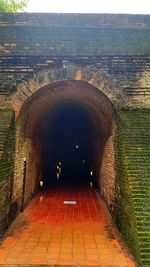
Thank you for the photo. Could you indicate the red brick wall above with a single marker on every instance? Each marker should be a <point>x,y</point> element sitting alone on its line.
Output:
<point>107,173</point>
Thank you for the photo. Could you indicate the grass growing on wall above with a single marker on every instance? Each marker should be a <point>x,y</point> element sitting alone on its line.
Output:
<point>133,182</point>
<point>7,142</point>
<point>7,151</point>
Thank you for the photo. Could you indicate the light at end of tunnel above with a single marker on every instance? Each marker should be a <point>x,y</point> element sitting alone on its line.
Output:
<point>83,161</point>
<point>77,146</point>
<point>41,183</point>
<point>91,173</point>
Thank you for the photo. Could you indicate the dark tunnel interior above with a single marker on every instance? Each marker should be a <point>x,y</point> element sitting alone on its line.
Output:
<point>67,150</point>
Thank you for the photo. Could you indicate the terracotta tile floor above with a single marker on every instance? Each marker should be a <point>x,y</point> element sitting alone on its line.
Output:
<point>51,232</point>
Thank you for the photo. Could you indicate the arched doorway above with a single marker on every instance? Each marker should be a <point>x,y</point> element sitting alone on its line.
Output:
<point>65,123</point>
<point>66,128</point>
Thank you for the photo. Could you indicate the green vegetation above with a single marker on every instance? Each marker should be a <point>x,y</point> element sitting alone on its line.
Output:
<point>7,142</point>
<point>12,5</point>
<point>133,182</point>
<point>7,152</point>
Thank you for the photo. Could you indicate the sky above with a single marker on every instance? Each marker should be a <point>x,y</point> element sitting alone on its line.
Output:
<point>90,6</point>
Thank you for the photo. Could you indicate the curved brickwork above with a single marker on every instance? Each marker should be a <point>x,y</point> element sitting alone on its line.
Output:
<point>37,112</point>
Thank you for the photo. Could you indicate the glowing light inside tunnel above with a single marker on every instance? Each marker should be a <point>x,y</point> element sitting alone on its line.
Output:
<point>41,183</point>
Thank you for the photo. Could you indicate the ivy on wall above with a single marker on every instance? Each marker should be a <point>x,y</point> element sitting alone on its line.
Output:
<point>133,182</point>
<point>7,152</point>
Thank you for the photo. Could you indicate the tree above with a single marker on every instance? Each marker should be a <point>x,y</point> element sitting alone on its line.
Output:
<point>12,5</point>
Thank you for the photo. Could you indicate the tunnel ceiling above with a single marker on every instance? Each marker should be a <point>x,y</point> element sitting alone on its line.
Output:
<point>41,106</point>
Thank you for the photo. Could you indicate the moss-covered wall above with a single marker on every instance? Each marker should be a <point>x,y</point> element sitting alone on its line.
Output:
<point>133,182</point>
<point>7,150</point>
<point>110,52</point>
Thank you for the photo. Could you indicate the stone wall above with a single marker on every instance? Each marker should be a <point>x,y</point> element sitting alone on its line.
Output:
<point>133,182</point>
<point>109,51</point>
<point>124,79</point>
<point>7,152</point>
<point>48,53</point>
<point>74,34</point>
<point>108,173</point>
<point>26,153</point>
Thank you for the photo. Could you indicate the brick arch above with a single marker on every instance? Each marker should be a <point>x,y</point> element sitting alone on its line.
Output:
<point>67,72</point>
<point>34,115</point>
<point>79,91</point>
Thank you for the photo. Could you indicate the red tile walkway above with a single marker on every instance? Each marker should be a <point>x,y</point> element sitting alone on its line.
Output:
<point>51,232</point>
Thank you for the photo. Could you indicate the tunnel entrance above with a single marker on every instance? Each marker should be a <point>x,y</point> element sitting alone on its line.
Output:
<point>68,147</point>
<point>65,135</point>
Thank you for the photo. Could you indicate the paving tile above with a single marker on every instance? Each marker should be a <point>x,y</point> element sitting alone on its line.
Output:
<point>11,260</point>
<point>3,256</point>
<point>66,250</point>
<point>59,234</point>
<point>8,242</point>
<point>65,262</point>
<point>51,261</point>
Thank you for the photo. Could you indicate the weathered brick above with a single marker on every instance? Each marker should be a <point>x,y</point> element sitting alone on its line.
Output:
<point>101,62</point>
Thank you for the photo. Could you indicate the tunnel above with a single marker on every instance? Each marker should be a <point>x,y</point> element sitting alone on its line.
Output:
<point>62,132</point>
<point>68,147</point>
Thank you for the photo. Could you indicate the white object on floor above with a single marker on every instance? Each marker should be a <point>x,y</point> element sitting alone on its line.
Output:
<point>70,202</point>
